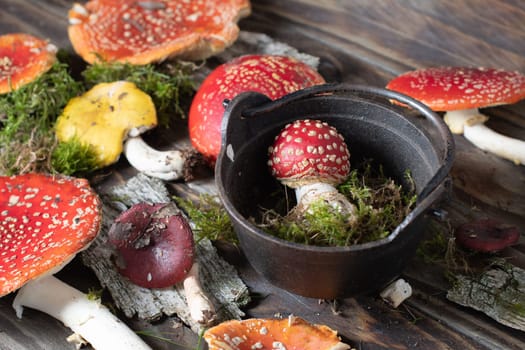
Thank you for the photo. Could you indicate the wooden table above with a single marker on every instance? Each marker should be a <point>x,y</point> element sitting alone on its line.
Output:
<point>365,42</point>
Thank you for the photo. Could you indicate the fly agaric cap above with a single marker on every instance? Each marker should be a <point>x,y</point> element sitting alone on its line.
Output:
<point>486,235</point>
<point>23,58</point>
<point>458,88</point>
<point>309,151</point>
<point>154,244</point>
<point>271,75</point>
<point>142,32</point>
<point>104,116</point>
<point>44,221</point>
<point>260,333</point>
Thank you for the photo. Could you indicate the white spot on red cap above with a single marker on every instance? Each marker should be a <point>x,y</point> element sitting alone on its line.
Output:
<point>456,88</point>
<point>314,159</point>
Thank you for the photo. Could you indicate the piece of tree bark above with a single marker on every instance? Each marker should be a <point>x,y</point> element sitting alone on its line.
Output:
<point>498,292</point>
<point>255,43</point>
<point>219,279</point>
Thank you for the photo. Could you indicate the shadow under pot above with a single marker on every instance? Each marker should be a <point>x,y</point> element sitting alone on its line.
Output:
<point>400,136</point>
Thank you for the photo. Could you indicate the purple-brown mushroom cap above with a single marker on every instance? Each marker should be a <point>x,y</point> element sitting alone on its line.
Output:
<point>486,235</point>
<point>154,245</point>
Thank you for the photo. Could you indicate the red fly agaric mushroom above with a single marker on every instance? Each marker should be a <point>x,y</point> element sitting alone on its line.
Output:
<point>23,58</point>
<point>312,157</point>
<point>44,221</point>
<point>460,91</point>
<point>111,117</point>
<point>271,75</point>
<point>486,235</point>
<point>292,333</point>
<point>155,249</point>
<point>141,32</point>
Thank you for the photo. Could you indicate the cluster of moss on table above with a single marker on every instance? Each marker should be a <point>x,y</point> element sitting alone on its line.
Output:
<point>28,114</point>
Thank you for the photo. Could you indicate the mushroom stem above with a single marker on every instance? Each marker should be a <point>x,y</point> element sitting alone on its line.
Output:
<point>200,307</point>
<point>310,193</point>
<point>86,317</point>
<point>470,123</point>
<point>165,165</point>
<point>397,292</point>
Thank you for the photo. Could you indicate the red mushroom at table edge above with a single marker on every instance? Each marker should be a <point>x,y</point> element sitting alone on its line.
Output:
<point>311,157</point>
<point>276,334</point>
<point>142,32</point>
<point>44,222</point>
<point>271,75</point>
<point>23,58</point>
<point>460,91</point>
<point>154,248</point>
<point>486,235</point>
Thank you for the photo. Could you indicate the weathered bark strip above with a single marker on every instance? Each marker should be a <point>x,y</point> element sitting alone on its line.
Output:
<point>498,292</point>
<point>218,278</point>
<point>255,43</point>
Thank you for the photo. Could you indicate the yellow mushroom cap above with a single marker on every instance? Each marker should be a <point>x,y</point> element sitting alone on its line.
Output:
<point>103,117</point>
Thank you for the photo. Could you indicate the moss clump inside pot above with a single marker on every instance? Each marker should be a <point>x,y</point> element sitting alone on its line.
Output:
<point>335,206</point>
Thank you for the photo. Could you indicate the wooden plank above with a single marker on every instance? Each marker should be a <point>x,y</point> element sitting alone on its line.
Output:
<point>366,42</point>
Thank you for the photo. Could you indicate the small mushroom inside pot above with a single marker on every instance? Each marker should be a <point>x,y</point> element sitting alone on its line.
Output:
<point>312,157</point>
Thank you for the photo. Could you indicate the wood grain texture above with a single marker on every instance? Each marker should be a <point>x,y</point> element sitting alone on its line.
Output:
<point>364,42</point>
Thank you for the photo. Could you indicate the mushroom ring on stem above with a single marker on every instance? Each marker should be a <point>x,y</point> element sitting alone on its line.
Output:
<point>155,249</point>
<point>312,157</point>
<point>460,91</point>
<point>44,221</point>
<point>111,117</point>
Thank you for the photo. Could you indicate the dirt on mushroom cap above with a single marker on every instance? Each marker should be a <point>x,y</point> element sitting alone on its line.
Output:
<point>103,116</point>
<point>44,221</point>
<point>153,243</point>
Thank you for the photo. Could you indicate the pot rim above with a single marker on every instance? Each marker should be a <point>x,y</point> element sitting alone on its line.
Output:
<point>428,195</point>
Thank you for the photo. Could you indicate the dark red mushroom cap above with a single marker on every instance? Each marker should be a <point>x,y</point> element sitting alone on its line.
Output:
<point>486,235</point>
<point>154,244</point>
<point>23,58</point>
<point>457,88</point>
<point>309,151</point>
<point>44,221</point>
<point>271,75</point>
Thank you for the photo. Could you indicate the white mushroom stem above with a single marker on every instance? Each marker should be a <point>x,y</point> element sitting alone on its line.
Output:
<point>397,292</point>
<point>470,123</point>
<point>165,165</point>
<point>85,316</point>
<point>310,193</point>
<point>200,307</point>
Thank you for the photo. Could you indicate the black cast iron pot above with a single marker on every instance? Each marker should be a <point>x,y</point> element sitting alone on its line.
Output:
<point>397,137</point>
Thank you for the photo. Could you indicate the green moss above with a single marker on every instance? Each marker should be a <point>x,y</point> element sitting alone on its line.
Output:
<point>168,85</point>
<point>209,217</point>
<point>74,158</point>
<point>381,206</point>
<point>27,116</point>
